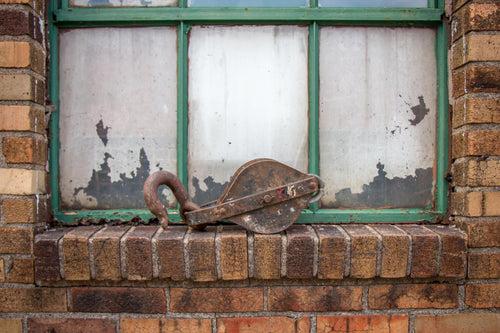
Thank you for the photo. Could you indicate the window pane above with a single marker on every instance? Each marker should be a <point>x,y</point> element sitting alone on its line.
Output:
<point>373,3</point>
<point>122,3</point>
<point>117,114</point>
<point>377,116</point>
<point>248,3</point>
<point>247,99</point>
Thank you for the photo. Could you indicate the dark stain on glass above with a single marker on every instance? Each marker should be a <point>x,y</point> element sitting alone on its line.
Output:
<point>213,192</point>
<point>102,132</point>
<point>409,192</point>
<point>420,111</point>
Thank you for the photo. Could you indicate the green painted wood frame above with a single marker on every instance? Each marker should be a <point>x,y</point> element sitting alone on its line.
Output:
<point>62,16</point>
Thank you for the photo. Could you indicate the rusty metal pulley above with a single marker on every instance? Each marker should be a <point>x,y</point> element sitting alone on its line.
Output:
<point>264,196</point>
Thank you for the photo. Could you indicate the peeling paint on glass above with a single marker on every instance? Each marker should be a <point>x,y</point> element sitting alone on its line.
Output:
<point>123,3</point>
<point>248,3</point>
<point>374,3</point>
<point>377,123</point>
<point>247,99</point>
<point>117,114</point>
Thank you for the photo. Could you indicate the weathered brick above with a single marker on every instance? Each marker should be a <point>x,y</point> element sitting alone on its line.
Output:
<point>477,173</point>
<point>453,251</point>
<point>22,182</point>
<point>16,241</point>
<point>22,271</point>
<point>74,325</point>
<point>24,210</point>
<point>22,55</point>
<point>476,143</point>
<point>11,325</point>
<point>413,296</point>
<point>25,150</point>
<point>476,48</point>
<point>105,245</point>
<point>477,79</point>
<point>484,265</point>
<point>46,250</point>
<point>364,245</point>
<point>267,254</point>
<point>263,324</point>
<point>299,252</point>
<point>76,257</point>
<point>170,250</point>
<point>332,253</point>
<point>154,325</point>
<point>216,300</point>
<point>458,83</point>
<point>317,298</point>
<point>2,271</point>
<point>460,322</point>
<point>476,17</point>
<point>22,87</point>
<point>234,253</point>
<point>425,246</point>
<point>201,255</point>
<point>467,204</point>
<point>394,252</point>
<point>139,253</point>
<point>482,234</point>
<point>491,203</point>
<point>373,323</point>
<point>483,295</point>
<point>116,300</point>
<point>476,111</point>
<point>18,23</point>
<point>21,118</point>
<point>33,300</point>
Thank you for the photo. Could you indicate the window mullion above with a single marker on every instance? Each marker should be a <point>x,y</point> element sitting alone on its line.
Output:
<point>314,102</point>
<point>182,101</point>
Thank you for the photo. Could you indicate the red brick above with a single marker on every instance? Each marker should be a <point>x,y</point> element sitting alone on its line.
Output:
<point>372,324</point>
<point>11,325</point>
<point>105,246</point>
<point>267,256</point>
<point>459,323</point>
<point>395,250</point>
<point>234,253</point>
<point>453,251</point>
<point>201,255</point>
<point>150,325</point>
<point>483,296</point>
<point>73,325</point>
<point>216,300</point>
<point>477,173</point>
<point>425,247</point>
<point>139,253</point>
<point>22,118</point>
<point>25,150</point>
<point>317,298</point>
<point>17,23</point>
<point>16,241</point>
<point>33,300</point>
<point>2,272</point>
<point>22,271</point>
<point>476,17</point>
<point>491,204</point>
<point>476,111</point>
<point>46,252</point>
<point>476,79</point>
<point>22,55</point>
<point>484,265</point>
<point>364,245</point>
<point>76,258</point>
<point>413,296</point>
<point>25,210</point>
<point>170,250</point>
<point>482,234</point>
<point>476,143</point>
<point>116,300</point>
<point>299,252</point>
<point>332,253</point>
<point>22,87</point>
<point>467,203</point>
<point>263,324</point>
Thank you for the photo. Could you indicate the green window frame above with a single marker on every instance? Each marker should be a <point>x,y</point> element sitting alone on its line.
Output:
<point>62,16</point>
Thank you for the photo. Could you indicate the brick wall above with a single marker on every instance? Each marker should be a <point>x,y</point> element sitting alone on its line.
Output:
<point>321,278</point>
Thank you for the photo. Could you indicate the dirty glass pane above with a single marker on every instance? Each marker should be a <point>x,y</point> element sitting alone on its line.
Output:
<point>377,116</point>
<point>373,3</point>
<point>248,3</point>
<point>122,3</point>
<point>247,100</point>
<point>117,114</point>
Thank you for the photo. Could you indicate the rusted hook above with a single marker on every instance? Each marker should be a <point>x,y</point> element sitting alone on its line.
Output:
<point>153,202</point>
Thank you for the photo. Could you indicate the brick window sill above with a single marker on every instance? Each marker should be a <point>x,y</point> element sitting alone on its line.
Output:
<point>230,253</point>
